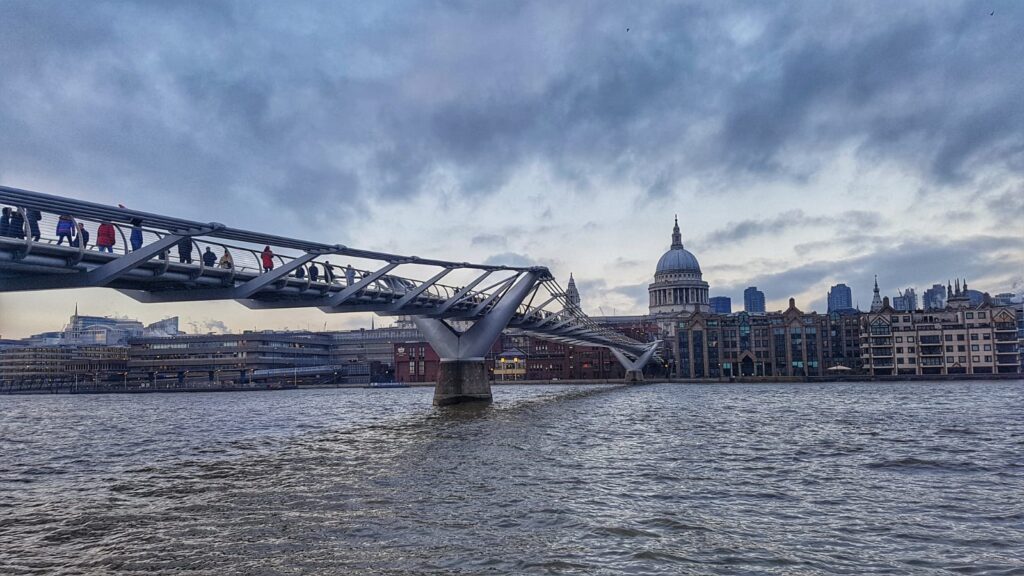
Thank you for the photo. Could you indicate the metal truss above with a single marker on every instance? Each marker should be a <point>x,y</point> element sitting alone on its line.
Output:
<point>169,267</point>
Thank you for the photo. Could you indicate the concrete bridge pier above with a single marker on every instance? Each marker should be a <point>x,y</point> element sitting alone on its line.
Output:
<point>463,374</point>
<point>634,367</point>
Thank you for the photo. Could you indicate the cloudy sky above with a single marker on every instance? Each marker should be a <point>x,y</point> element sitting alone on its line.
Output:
<point>800,143</point>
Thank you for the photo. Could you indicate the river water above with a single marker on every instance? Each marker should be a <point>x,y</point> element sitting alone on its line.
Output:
<point>864,478</point>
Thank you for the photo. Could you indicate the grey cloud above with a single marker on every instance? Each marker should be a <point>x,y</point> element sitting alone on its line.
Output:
<point>312,107</point>
<point>745,229</point>
<point>510,259</point>
<point>489,240</point>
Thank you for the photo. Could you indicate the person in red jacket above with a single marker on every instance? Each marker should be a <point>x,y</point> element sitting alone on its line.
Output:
<point>105,237</point>
<point>268,259</point>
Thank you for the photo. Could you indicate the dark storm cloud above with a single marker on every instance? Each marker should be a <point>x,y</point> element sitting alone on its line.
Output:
<point>792,219</point>
<point>292,113</point>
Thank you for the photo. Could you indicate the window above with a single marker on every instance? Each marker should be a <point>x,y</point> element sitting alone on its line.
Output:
<point>981,315</point>
<point>974,348</point>
<point>970,315</point>
<point>899,339</point>
<point>988,358</point>
<point>962,358</point>
<point>988,347</point>
<point>949,337</point>
<point>986,336</point>
<point>974,336</point>
<point>906,319</point>
<point>949,359</point>
<point>961,348</point>
<point>910,350</point>
<point>949,348</point>
<point>899,349</point>
<point>910,338</point>
<point>960,338</point>
<point>975,359</point>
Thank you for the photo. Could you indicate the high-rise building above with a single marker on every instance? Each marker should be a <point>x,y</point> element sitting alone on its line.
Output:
<point>840,297</point>
<point>906,301</point>
<point>753,300</point>
<point>934,298</point>
<point>720,305</point>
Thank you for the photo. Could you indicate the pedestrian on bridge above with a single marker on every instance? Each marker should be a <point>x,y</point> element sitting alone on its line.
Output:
<point>136,236</point>
<point>300,272</point>
<point>82,237</point>
<point>314,272</point>
<point>5,223</point>
<point>33,223</point>
<point>226,261</point>
<point>105,237</point>
<point>65,228</point>
<point>185,250</point>
<point>17,226</point>
<point>328,272</point>
<point>268,259</point>
<point>209,258</point>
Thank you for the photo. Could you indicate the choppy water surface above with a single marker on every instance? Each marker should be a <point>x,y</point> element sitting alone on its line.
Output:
<point>784,479</point>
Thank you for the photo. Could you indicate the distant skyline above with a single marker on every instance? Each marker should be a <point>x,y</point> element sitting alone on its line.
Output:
<point>802,144</point>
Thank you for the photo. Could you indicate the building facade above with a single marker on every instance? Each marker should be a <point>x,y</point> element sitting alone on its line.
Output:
<point>753,300</point>
<point>778,344</point>
<point>721,305</point>
<point>840,298</point>
<point>959,339</point>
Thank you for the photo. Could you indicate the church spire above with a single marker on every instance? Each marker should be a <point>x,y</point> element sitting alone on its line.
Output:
<point>876,301</point>
<point>677,238</point>
<point>572,294</point>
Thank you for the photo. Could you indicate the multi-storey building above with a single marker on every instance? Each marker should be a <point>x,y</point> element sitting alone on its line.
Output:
<point>934,298</point>
<point>959,339</point>
<point>720,304</point>
<point>840,298</point>
<point>907,300</point>
<point>753,300</point>
<point>62,364</point>
<point>227,356</point>
<point>788,343</point>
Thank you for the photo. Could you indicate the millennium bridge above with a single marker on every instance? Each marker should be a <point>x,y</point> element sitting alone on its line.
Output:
<point>157,258</point>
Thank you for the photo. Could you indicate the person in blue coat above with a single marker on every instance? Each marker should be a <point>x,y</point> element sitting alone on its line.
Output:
<point>136,237</point>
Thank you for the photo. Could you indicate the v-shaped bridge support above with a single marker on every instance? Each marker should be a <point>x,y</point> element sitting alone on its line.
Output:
<point>463,375</point>
<point>635,367</point>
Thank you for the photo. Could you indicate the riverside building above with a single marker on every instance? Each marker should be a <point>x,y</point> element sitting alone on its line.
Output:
<point>959,339</point>
<point>790,343</point>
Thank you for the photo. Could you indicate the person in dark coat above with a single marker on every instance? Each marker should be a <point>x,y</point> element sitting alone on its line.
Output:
<point>33,223</point>
<point>185,250</point>
<point>83,237</point>
<point>209,258</point>
<point>300,272</point>
<point>136,236</point>
<point>17,225</point>
<point>5,222</point>
<point>328,272</point>
<point>314,272</point>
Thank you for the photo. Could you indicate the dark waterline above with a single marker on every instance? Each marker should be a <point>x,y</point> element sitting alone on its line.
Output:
<point>852,478</point>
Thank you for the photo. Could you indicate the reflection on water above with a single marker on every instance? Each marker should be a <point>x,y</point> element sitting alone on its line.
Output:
<point>832,478</point>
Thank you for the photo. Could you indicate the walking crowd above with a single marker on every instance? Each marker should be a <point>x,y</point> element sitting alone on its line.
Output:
<point>19,224</point>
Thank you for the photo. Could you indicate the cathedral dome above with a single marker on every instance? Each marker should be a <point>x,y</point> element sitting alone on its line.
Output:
<point>678,260</point>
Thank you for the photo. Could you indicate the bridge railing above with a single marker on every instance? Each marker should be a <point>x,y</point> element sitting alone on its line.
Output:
<point>245,257</point>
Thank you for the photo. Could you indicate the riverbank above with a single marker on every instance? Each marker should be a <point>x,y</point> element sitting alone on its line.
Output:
<point>71,388</point>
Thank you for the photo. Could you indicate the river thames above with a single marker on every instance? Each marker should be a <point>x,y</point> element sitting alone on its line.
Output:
<point>853,478</point>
